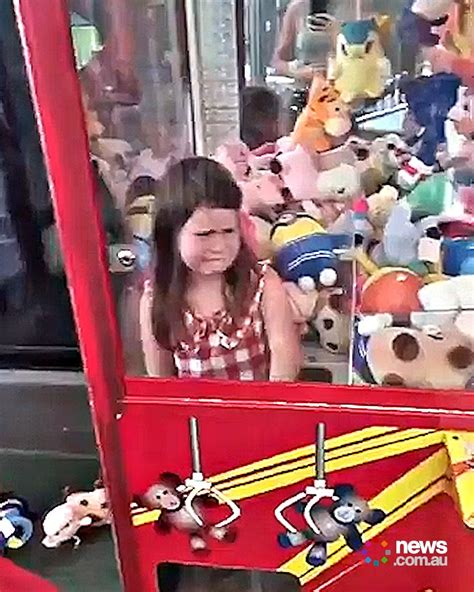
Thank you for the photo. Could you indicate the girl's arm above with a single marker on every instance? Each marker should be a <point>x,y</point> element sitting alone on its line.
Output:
<point>281,330</point>
<point>158,360</point>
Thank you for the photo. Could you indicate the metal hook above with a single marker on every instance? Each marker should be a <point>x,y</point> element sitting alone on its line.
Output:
<point>198,485</point>
<point>316,492</point>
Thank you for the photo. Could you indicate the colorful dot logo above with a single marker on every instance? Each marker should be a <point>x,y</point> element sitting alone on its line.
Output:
<point>375,556</point>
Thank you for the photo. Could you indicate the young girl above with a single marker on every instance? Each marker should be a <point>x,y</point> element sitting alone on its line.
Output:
<point>210,310</point>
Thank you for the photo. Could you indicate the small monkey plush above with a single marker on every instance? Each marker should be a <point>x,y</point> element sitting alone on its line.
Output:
<point>168,496</point>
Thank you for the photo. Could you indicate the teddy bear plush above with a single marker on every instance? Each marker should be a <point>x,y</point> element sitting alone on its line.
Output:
<point>381,205</point>
<point>341,519</point>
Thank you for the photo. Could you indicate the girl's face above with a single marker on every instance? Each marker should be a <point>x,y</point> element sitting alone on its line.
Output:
<point>210,240</point>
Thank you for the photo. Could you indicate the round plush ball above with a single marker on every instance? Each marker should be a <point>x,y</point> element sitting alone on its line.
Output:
<point>394,292</point>
<point>328,277</point>
<point>306,284</point>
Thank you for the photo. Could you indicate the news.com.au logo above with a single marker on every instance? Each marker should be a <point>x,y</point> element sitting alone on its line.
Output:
<point>407,554</point>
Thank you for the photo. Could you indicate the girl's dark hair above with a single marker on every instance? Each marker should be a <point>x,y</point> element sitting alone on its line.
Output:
<point>190,184</point>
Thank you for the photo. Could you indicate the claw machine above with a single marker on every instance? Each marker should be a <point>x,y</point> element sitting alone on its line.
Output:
<point>282,387</point>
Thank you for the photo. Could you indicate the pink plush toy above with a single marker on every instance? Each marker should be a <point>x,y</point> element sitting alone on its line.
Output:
<point>235,156</point>
<point>262,193</point>
<point>298,172</point>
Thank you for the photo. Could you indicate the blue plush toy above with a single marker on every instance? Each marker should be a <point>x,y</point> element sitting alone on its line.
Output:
<point>429,98</point>
<point>418,19</point>
<point>16,526</point>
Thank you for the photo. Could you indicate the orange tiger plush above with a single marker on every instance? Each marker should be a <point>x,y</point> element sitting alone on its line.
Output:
<point>324,119</point>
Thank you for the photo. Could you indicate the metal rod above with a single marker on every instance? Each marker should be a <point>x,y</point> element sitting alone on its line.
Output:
<point>320,438</point>
<point>195,450</point>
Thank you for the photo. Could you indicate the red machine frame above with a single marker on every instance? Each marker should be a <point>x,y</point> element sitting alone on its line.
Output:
<point>133,416</point>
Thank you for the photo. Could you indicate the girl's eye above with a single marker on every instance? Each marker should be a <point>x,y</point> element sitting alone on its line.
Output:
<point>204,233</point>
<point>228,230</point>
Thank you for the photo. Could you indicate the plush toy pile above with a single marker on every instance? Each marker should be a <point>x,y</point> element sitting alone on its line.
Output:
<point>400,206</point>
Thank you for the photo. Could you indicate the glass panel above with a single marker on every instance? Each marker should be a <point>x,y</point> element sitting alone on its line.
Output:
<point>354,161</point>
<point>180,578</point>
<point>36,324</point>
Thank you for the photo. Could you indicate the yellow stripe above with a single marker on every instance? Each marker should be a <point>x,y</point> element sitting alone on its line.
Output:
<point>146,518</point>
<point>269,463</point>
<point>415,480</point>
<point>390,449</point>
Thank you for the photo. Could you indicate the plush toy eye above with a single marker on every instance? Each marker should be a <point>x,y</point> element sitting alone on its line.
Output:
<point>84,502</point>
<point>328,324</point>
<point>349,504</point>
<point>165,492</point>
<point>358,511</point>
<point>391,146</point>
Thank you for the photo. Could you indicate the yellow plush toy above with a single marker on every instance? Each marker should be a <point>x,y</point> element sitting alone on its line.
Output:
<point>360,68</point>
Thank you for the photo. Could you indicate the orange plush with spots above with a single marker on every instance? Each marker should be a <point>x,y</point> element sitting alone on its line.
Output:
<point>324,119</point>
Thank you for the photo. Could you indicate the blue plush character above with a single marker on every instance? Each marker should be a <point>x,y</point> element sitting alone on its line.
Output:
<point>429,98</point>
<point>306,254</point>
<point>418,19</point>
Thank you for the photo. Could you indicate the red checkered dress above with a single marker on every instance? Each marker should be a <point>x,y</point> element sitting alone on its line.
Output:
<point>218,348</point>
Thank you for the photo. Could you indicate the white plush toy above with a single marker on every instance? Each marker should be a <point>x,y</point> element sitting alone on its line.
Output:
<point>62,523</point>
<point>448,301</point>
<point>341,184</point>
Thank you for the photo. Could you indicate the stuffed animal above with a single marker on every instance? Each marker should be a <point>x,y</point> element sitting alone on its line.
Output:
<point>62,523</point>
<point>380,206</point>
<point>367,164</point>
<point>332,322</point>
<point>449,301</point>
<point>458,256</point>
<point>462,114</point>
<point>389,153</point>
<point>324,121</point>
<point>400,244</point>
<point>430,196</point>
<point>16,522</point>
<point>262,193</point>
<point>235,156</point>
<point>393,291</point>
<point>418,19</point>
<point>360,68</point>
<point>429,99</point>
<point>305,253</point>
<point>336,191</point>
<point>168,495</point>
<point>340,519</point>
<point>298,172</point>
<point>420,358</point>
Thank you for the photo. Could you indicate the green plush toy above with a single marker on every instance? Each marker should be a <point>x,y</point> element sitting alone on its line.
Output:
<point>430,197</point>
